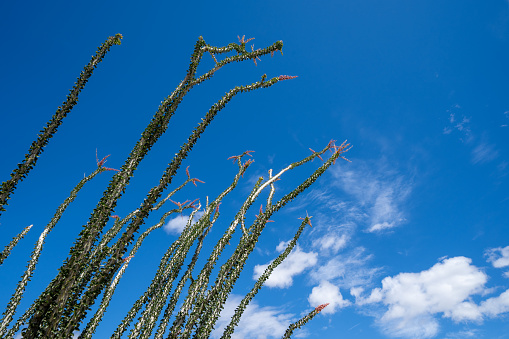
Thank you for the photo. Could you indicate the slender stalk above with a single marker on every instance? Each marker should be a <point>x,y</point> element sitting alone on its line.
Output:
<point>101,279</point>
<point>228,331</point>
<point>94,322</point>
<point>95,263</point>
<point>18,293</point>
<point>51,304</point>
<point>7,250</point>
<point>35,150</point>
<point>209,308</point>
<point>301,322</point>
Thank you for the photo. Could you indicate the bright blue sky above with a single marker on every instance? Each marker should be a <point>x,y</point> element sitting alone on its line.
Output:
<point>409,240</point>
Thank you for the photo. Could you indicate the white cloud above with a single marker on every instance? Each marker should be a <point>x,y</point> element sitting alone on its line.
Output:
<point>347,270</point>
<point>414,299</point>
<point>379,196</point>
<point>327,293</point>
<point>282,246</point>
<point>423,326</point>
<point>463,125</point>
<point>256,322</point>
<point>496,305</point>
<point>446,130</point>
<point>483,153</point>
<point>498,257</point>
<point>177,224</point>
<point>463,334</point>
<point>331,242</point>
<point>296,262</point>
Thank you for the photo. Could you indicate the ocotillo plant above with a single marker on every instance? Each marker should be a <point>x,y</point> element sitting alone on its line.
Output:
<point>98,259</point>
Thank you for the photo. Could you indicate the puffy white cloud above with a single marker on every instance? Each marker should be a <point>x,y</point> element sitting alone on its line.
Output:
<point>282,246</point>
<point>327,293</point>
<point>496,305</point>
<point>295,263</point>
<point>414,299</point>
<point>177,224</point>
<point>256,322</point>
<point>498,257</point>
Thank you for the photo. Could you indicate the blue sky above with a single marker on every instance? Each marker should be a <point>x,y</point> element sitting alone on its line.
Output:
<point>409,240</point>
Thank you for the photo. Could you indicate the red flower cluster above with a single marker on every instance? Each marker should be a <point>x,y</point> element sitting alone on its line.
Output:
<point>321,307</point>
<point>286,77</point>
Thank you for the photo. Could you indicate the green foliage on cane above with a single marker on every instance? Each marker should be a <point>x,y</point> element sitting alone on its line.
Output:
<point>16,298</point>
<point>301,322</point>
<point>7,250</point>
<point>35,150</point>
<point>98,260</point>
<point>229,329</point>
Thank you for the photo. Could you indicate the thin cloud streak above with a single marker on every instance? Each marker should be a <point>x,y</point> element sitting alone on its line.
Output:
<point>378,197</point>
<point>484,153</point>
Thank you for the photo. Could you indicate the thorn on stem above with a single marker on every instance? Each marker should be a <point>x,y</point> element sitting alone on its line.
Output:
<point>261,212</point>
<point>318,155</point>
<point>254,59</point>
<point>195,180</point>
<point>110,169</point>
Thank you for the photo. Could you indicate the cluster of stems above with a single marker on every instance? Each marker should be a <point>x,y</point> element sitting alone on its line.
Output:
<point>100,255</point>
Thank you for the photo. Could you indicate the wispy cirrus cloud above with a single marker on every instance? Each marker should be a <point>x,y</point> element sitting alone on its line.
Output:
<point>463,334</point>
<point>346,270</point>
<point>331,242</point>
<point>461,125</point>
<point>484,153</point>
<point>378,196</point>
